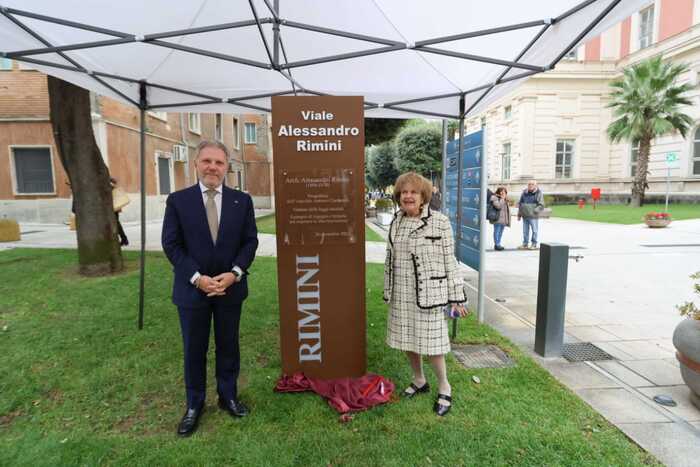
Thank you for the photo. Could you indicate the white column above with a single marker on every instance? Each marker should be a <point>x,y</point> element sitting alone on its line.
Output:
<point>524,146</point>
<point>604,153</point>
<point>610,43</point>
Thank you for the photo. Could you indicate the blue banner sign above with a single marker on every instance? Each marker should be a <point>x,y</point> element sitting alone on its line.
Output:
<point>466,234</point>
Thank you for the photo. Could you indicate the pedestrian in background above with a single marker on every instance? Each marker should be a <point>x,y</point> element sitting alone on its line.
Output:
<point>530,206</point>
<point>499,202</point>
<point>119,201</point>
<point>436,199</point>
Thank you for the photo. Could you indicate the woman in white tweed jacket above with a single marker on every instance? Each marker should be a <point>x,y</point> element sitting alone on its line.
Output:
<point>420,280</point>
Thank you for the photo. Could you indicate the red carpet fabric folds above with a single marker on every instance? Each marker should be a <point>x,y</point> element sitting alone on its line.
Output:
<point>343,394</point>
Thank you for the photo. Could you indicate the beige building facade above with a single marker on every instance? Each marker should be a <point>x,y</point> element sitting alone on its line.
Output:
<point>553,127</point>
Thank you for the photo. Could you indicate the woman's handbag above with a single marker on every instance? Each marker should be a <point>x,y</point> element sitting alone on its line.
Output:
<point>492,213</point>
<point>119,199</point>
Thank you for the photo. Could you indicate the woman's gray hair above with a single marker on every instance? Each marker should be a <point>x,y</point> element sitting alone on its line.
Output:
<point>212,144</point>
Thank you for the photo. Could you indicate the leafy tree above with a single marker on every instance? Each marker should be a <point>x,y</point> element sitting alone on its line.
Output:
<point>98,248</point>
<point>419,149</point>
<point>380,130</point>
<point>452,129</point>
<point>646,104</point>
<point>369,180</point>
<point>382,168</point>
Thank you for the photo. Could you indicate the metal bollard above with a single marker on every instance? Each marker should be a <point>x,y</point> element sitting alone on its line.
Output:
<point>551,299</point>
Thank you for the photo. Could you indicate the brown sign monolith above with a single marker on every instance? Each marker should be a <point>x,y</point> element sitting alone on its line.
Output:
<point>318,144</point>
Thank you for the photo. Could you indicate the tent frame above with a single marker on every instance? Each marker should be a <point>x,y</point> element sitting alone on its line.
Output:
<point>273,53</point>
<point>285,69</point>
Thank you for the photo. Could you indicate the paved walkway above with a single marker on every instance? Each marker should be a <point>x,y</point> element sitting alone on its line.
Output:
<point>621,296</point>
<point>59,236</point>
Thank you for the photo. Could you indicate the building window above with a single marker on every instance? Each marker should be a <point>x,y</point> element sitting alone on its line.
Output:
<point>505,162</point>
<point>219,127</point>
<point>696,152</point>
<point>572,54</point>
<point>164,180</point>
<point>251,136</point>
<point>646,27</point>
<point>564,158</point>
<point>33,171</point>
<point>5,64</point>
<point>195,124</point>
<point>236,133</point>
<point>634,157</point>
<point>159,115</point>
<point>508,112</point>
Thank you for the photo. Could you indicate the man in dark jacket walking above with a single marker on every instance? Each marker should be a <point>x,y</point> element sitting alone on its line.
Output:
<point>530,206</point>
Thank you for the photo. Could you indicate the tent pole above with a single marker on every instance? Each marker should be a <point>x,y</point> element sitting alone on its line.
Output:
<point>481,58</point>
<point>262,35</point>
<point>481,33</point>
<point>458,234</point>
<point>423,99</point>
<point>502,77</point>
<point>583,33</point>
<point>483,182</point>
<point>78,67</point>
<point>276,36</point>
<point>143,102</point>
<point>443,172</point>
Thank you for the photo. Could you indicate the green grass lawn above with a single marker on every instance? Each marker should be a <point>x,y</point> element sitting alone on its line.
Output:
<point>81,386</point>
<point>620,214</point>
<point>266,224</point>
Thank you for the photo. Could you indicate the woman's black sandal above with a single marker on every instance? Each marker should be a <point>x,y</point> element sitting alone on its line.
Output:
<point>442,409</point>
<point>416,390</point>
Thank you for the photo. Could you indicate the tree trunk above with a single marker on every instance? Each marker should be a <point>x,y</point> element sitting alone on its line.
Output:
<point>639,185</point>
<point>99,251</point>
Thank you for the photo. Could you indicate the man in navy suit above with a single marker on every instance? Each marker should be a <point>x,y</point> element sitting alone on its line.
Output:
<point>210,237</point>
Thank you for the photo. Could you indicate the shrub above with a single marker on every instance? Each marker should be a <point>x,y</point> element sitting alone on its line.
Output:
<point>384,204</point>
<point>419,149</point>
<point>689,309</point>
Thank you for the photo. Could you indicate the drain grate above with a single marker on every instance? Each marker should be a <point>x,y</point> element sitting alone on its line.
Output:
<point>584,352</point>
<point>481,356</point>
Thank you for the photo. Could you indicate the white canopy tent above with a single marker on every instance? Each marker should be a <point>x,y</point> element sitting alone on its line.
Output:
<point>442,58</point>
<point>407,58</point>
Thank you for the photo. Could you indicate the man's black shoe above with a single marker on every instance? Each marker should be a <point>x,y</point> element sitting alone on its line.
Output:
<point>189,422</point>
<point>233,407</point>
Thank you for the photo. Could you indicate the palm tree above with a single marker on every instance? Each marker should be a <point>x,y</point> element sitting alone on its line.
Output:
<point>646,104</point>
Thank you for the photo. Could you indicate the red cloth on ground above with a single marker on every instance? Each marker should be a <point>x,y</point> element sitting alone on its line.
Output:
<point>343,394</point>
